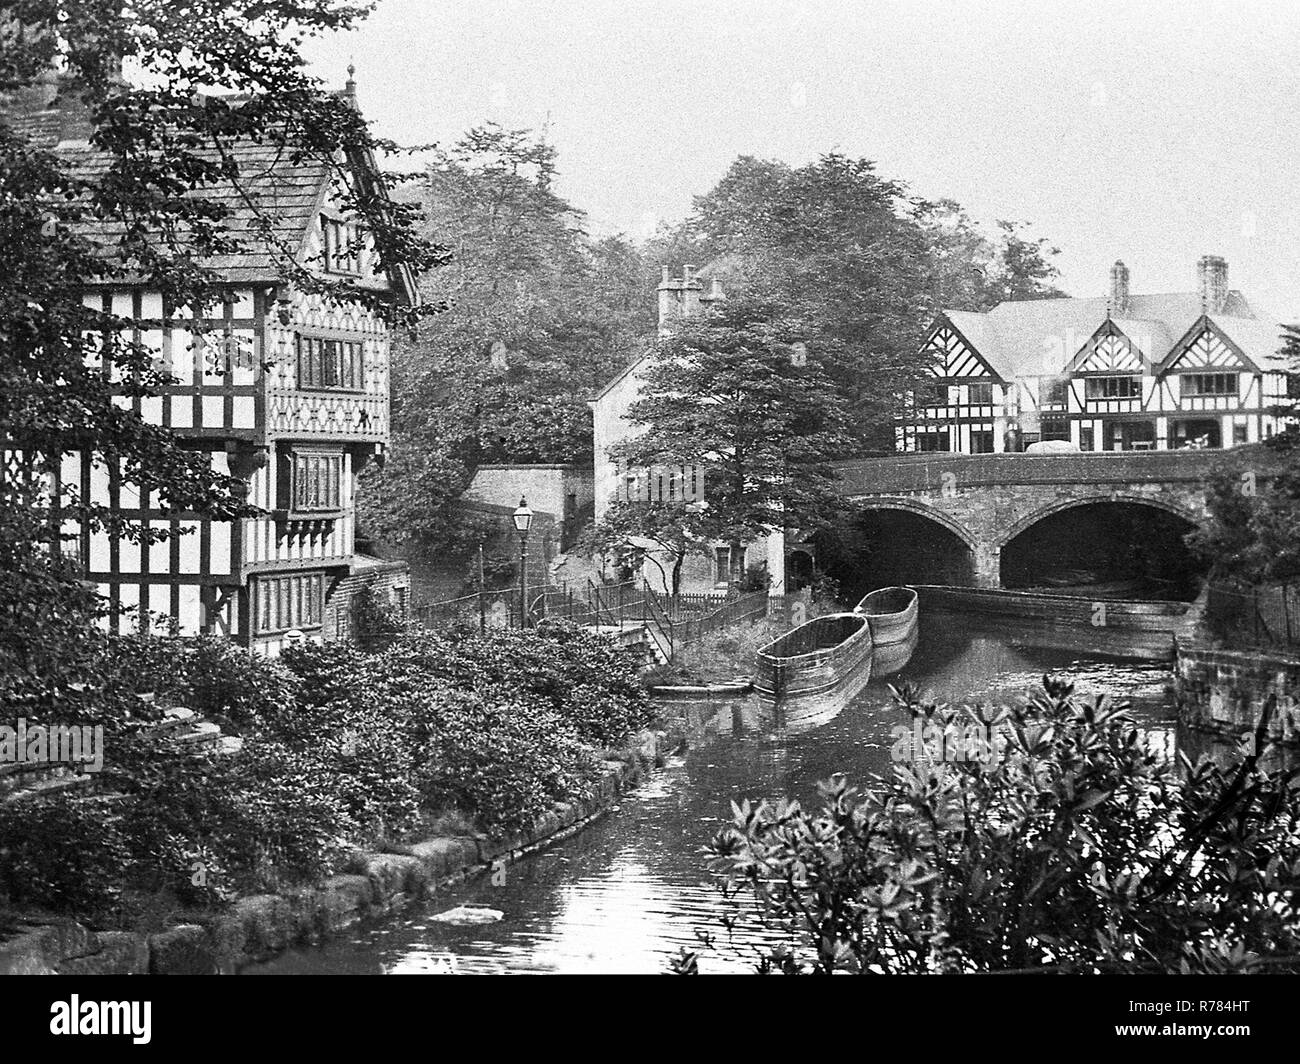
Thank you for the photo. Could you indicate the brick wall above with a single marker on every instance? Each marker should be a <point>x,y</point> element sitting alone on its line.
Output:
<point>388,582</point>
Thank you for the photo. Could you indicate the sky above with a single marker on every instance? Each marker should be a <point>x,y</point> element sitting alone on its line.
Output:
<point>1153,131</point>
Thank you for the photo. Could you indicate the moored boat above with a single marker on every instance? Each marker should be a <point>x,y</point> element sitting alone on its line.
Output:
<point>815,657</point>
<point>891,612</point>
<point>1151,625</point>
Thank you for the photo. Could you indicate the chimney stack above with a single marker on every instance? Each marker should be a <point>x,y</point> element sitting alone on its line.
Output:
<point>678,299</point>
<point>1212,282</point>
<point>1119,303</point>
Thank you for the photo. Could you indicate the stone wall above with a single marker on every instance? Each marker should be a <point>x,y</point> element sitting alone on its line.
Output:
<point>1224,692</point>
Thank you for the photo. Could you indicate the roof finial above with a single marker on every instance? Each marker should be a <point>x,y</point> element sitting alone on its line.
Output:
<point>350,86</point>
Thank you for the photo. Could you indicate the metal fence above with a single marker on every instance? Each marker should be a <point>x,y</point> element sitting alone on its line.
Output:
<point>669,621</point>
<point>1261,616</point>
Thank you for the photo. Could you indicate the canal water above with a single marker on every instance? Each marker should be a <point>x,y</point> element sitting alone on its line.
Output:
<point>625,894</point>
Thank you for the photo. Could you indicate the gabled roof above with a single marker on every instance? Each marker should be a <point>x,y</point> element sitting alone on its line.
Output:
<point>1257,342</point>
<point>622,375</point>
<point>1142,343</point>
<point>1039,337</point>
<point>976,330</point>
<point>270,212</point>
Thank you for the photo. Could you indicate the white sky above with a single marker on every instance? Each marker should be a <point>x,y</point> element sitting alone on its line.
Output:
<point>1154,131</point>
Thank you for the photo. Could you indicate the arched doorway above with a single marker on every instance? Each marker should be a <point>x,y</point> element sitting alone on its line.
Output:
<point>1117,546</point>
<point>798,570</point>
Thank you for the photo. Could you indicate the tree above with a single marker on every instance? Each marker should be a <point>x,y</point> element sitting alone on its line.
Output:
<point>538,313</point>
<point>151,200</point>
<point>728,394</point>
<point>630,530</point>
<point>1043,837</point>
<point>860,263</point>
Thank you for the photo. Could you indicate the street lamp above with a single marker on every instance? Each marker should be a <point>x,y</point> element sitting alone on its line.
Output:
<point>523,519</point>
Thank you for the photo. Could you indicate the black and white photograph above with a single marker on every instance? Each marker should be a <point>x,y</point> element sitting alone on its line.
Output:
<point>663,487</point>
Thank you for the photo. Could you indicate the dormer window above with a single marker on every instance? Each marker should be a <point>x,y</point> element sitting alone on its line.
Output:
<point>1113,388</point>
<point>342,246</point>
<point>1209,385</point>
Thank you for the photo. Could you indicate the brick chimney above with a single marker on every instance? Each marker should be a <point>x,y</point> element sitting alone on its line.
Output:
<point>1119,303</point>
<point>679,298</point>
<point>715,293</point>
<point>1212,282</point>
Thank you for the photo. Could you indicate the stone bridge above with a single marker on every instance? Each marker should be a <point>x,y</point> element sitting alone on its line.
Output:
<point>987,500</point>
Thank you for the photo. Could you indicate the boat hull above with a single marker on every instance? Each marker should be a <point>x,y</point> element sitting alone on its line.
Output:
<point>815,657</point>
<point>892,613</point>
<point>1152,626</point>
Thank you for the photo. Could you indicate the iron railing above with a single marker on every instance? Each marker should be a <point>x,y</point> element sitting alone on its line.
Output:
<point>1258,616</point>
<point>669,621</point>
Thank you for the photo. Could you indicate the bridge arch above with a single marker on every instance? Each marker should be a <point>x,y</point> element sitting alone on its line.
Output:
<point>1121,539</point>
<point>886,502</point>
<point>898,540</point>
<point>1023,524</point>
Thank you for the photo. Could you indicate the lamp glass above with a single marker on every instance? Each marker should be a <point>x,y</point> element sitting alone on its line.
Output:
<point>522,517</point>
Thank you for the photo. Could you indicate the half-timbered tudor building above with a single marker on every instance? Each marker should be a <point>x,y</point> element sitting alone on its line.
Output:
<point>287,390</point>
<point>1119,372</point>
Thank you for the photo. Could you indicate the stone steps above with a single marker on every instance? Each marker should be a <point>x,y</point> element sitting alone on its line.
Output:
<point>46,779</point>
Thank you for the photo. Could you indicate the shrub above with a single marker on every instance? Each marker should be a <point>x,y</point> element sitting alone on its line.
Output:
<point>589,681</point>
<point>480,752</point>
<point>64,854</point>
<point>1077,849</point>
<point>209,675</point>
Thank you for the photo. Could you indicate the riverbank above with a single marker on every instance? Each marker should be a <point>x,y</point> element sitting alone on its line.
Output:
<point>258,927</point>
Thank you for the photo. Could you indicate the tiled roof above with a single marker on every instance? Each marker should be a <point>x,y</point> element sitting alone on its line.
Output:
<point>270,210</point>
<point>273,185</point>
<point>1036,337</point>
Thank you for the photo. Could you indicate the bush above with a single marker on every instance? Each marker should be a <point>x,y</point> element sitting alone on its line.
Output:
<point>557,662</point>
<point>480,752</point>
<point>340,748</point>
<point>63,854</point>
<point>1076,849</point>
<point>207,674</point>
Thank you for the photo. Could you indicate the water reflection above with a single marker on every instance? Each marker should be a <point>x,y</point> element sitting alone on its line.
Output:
<point>627,893</point>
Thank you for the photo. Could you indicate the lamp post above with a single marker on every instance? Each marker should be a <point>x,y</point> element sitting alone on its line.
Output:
<point>523,519</point>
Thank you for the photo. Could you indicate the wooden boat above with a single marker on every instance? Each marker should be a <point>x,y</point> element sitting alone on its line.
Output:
<point>815,657</point>
<point>1153,625</point>
<point>891,612</point>
<point>889,658</point>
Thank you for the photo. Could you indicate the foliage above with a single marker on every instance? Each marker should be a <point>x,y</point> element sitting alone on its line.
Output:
<point>207,674</point>
<point>339,748</point>
<point>1073,848</point>
<point>150,199</point>
<point>479,752</point>
<point>1250,535</point>
<point>62,854</point>
<point>589,681</point>
<point>375,617</point>
<point>539,312</point>
<point>675,530</point>
<point>858,262</point>
<point>756,578</point>
<point>725,394</point>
